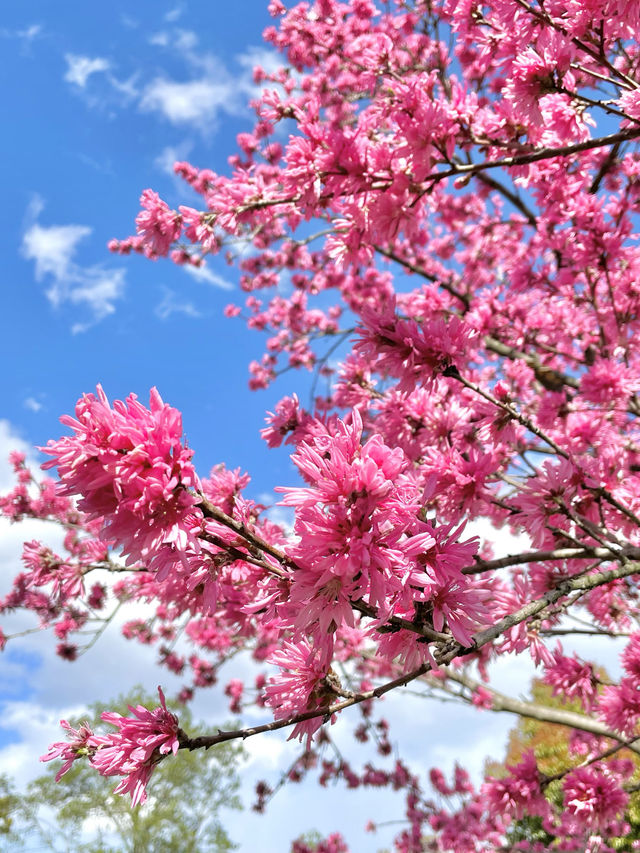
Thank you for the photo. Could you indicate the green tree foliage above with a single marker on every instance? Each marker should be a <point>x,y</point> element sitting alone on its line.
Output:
<point>9,808</point>
<point>80,814</point>
<point>550,745</point>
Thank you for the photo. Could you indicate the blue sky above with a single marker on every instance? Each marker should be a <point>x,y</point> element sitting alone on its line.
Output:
<point>99,100</point>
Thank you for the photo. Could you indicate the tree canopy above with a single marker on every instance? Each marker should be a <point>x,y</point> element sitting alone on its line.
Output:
<point>436,212</point>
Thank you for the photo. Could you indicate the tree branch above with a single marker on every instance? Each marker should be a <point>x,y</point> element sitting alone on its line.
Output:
<point>545,714</point>
<point>514,198</point>
<point>533,156</point>
<point>443,656</point>
<point>630,551</point>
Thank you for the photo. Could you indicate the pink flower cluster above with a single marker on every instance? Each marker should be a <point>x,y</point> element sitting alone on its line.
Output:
<point>304,684</point>
<point>131,471</point>
<point>360,537</point>
<point>142,741</point>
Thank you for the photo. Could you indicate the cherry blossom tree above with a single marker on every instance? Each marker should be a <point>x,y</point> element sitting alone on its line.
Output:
<point>435,212</point>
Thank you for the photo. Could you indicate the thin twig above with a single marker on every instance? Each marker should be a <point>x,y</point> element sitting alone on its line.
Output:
<point>631,551</point>
<point>533,156</point>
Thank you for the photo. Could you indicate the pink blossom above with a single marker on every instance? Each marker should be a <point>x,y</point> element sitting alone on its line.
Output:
<point>439,782</point>
<point>629,103</point>
<point>630,656</point>
<point>520,792</point>
<point>304,684</point>
<point>593,797</point>
<point>607,382</point>
<point>570,677</point>
<point>482,698</point>
<point>131,471</point>
<point>158,226</point>
<point>97,596</point>
<point>461,606</point>
<point>67,651</point>
<point>619,706</point>
<point>142,741</point>
<point>234,690</point>
<point>287,421</point>
<point>439,180</point>
<point>81,743</point>
<point>416,353</point>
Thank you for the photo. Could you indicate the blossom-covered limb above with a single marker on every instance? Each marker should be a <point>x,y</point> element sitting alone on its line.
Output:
<point>497,701</point>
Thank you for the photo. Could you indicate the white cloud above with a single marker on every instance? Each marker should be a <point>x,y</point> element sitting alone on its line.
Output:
<point>53,248</point>
<point>10,440</point>
<point>169,155</point>
<point>95,288</point>
<point>175,13</point>
<point>281,515</point>
<point>182,41</point>
<point>267,58</point>
<point>126,88</point>
<point>269,754</point>
<point>504,542</point>
<point>208,90</point>
<point>205,274</point>
<point>27,35</point>
<point>170,305</point>
<point>80,68</point>
<point>196,102</point>
<point>200,100</point>
<point>32,404</point>
<point>160,39</point>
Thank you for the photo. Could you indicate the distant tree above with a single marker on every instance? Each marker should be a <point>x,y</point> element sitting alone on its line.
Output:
<point>9,807</point>
<point>80,814</point>
<point>557,751</point>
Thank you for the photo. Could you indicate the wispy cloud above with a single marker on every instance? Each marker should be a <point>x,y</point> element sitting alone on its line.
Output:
<point>129,22</point>
<point>53,248</point>
<point>208,276</point>
<point>182,41</point>
<point>174,13</point>
<point>80,68</point>
<point>170,305</point>
<point>160,39</point>
<point>126,89</point>
<point>267,58</point>
<point>26,35</point>
<point>195,102</point>
<point>170,154</point>
<point>29,33</point>
<point>198,101</point>
<point>32,404</point>
<point>207,89</point>
<point>197,98</point>
<point>94,80</point>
